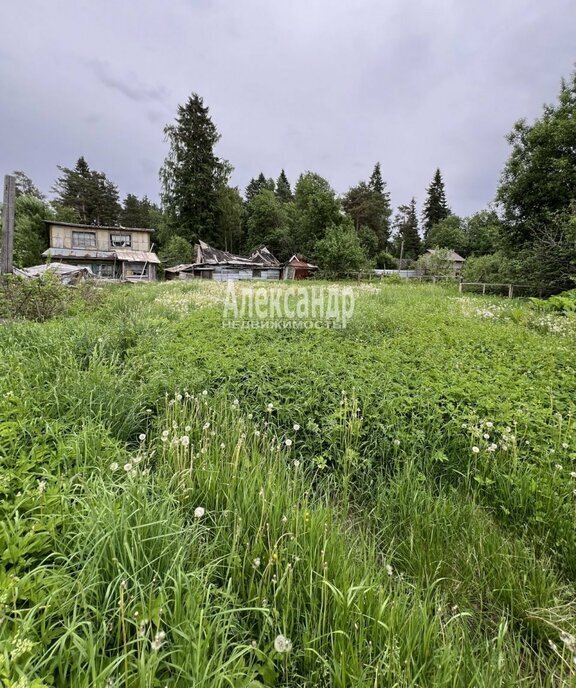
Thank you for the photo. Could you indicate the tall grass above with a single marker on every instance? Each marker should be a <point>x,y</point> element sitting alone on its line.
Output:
<point>282,529</point>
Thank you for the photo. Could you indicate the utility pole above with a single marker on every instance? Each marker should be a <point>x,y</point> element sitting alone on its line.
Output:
<point>8,224</point>
<point>401,255</point>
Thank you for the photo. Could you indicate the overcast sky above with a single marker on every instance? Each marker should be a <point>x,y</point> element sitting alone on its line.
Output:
<point>324,85</point>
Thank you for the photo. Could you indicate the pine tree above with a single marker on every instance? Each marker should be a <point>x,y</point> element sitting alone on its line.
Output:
<point>90,194</point>
<point>283,190</point>
<point>26,187</point>
<point>406,225</point>
<point>192,173</point>
<point>131,215</point>
<point>435,206</point>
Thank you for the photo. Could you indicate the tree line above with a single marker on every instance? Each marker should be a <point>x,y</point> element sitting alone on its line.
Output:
<point>528,234</point>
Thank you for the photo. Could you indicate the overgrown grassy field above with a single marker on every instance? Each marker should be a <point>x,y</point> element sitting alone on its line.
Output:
<point>392,504</point>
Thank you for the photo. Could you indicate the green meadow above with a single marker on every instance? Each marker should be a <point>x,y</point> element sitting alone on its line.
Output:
<point>189,505</point>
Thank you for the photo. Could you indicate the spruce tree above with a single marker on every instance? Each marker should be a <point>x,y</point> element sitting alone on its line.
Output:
<point>283,190</point>
<point>376,182</point>
<point>435,206</point>
<point>406,224</point>
<point>192,173</point>
<point>368,204</point>
<point>255,186</point>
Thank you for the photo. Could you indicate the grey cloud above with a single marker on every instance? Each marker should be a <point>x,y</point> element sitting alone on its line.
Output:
<point>330,86</point>
<point>130,85</point>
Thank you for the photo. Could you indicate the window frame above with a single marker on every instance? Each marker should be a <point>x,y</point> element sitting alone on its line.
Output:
<point>83,244</point>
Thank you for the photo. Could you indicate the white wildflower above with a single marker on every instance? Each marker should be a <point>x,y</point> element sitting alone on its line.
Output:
<point>296,427</point>
<point>222,445</point>
<point>475,450</point>
<point>256,562</point>
<point>486,436</point>
<point>296,463</point>
<point>142,436</point>
<point>205,426</point>
<point>282,644</point>
<point>41,487</point>
<point>489,424</point>
<point>564,445</point>
<point>199,511</point>
<point>184,440</point>
<point>389,569</point>
<point>396,442</point>
<point>558,466</point>
<point>270,407</point>
<point>573,474</point>
<point>288,442</point>
<point>127,467</point>
<point>158,641</point>
<point>114,466</point>
<point>205,393</point>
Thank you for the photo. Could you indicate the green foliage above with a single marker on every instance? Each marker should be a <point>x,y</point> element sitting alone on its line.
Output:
<point>192,174</point>
<point>173,497</point>
<point>483,233</point>
<point>494,267</point>
<point>283,190</point>
<point>368,204</point>
<point>448,233</point>
<point>231,215</point>
<point>435,206</point>
<point>30,233</point>
<point>341,250</point>
<point>437,264</point>
<point>406,226</point>
<point>420,536</point>
<point>90,194</point>
<point>386,261</point>
<point>26,187</point>
<point>257,185</point>
<point>34,299</point>
<point>539,179</point>
<point>139,213</point>
<point>317,207</point>
<point>176,251</point>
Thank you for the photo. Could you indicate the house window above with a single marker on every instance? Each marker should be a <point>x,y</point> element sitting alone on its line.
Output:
<point>256,273</point>
<point>83,239</point>
<point>136,269</point>
<point>120,240</point>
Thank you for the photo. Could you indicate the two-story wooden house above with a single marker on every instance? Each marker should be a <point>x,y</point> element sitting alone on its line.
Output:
<point>122,253</point>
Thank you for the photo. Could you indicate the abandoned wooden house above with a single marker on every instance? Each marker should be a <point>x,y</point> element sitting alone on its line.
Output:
<point>296,268</point>
<point>215,264</point>
<point>116,253</point>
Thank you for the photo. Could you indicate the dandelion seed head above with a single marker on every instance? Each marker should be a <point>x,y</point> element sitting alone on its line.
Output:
<point>142,436</point>
<point>282,644</point>
<point>288,442</point>
<point>475,450</point>
<point>199,511</point>
<point>114,466</point>
<point>185,440</point>
<point>296,427</point>
<point>127,467</point>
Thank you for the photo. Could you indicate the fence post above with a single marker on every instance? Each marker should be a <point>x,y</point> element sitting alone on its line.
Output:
<point>483,288</point>
<point>7,248</point>
<point>510,291</point>
<point>460,287</point>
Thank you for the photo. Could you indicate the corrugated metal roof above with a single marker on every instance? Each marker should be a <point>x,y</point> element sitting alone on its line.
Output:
<point>80,254</point>
<point>264,256</point>
<point>53,223</point>
<point>130,256</point>
<point>124,255</point>
<point>296,262</point>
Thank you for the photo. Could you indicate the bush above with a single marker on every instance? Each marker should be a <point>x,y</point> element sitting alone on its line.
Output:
<point>42,298</point>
